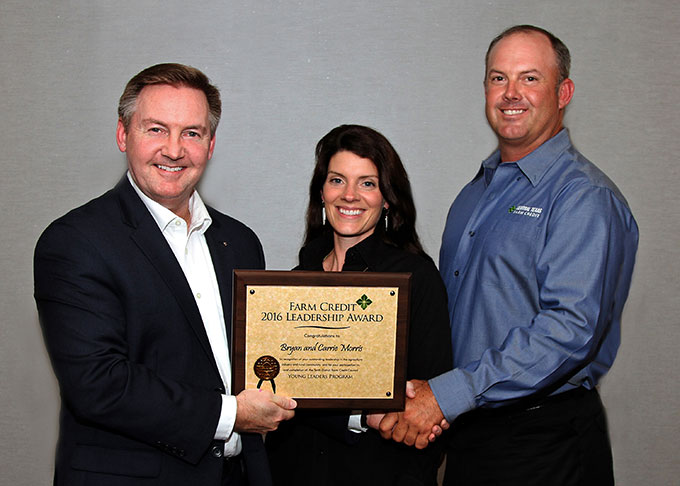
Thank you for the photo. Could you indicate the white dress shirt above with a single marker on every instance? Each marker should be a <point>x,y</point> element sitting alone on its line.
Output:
<point>193,255</point>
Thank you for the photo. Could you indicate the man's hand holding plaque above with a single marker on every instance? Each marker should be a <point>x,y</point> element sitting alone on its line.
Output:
<point>261,411</point>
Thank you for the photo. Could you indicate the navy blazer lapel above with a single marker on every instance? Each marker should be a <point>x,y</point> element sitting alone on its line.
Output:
<point>223,258</point>
<point>155,248</point>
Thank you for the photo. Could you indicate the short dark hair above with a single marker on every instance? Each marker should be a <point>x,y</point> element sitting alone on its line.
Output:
<point>392,180</point>
<point>173,75</point>
<point>561,51</point>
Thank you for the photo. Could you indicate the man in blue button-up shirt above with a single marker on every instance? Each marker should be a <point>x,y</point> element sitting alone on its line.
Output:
<point>537,257</point>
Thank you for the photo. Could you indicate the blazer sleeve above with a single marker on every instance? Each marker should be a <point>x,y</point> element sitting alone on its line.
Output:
<point>105,380</point>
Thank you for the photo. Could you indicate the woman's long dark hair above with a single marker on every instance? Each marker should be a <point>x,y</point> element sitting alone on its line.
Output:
<point>393,181</point>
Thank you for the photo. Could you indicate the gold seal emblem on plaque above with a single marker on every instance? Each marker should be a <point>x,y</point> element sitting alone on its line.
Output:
<point>266,369</point>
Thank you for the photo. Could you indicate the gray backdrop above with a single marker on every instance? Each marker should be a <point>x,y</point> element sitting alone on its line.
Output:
<point>290,71</point>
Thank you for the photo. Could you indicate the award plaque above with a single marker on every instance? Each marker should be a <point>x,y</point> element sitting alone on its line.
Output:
<point>335,340</point>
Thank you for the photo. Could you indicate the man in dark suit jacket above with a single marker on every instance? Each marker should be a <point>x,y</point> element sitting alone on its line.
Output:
<point>134,296</point>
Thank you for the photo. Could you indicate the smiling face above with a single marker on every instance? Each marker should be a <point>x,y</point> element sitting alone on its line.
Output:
<point>168,144</point>
<point>352,197</point>
<point>524,104</point>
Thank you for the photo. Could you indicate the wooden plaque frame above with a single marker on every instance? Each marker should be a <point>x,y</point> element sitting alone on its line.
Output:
<point>292,340</point>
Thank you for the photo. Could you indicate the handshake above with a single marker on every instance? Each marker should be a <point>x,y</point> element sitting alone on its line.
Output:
<point>421,422</point>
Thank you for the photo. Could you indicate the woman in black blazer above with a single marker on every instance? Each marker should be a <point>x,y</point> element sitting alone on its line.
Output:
<point>361,217</point>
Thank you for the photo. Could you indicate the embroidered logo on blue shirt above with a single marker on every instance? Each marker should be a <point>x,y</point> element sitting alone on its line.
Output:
<point>530,211</point>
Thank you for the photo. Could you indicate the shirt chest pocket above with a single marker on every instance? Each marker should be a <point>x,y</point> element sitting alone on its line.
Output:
<point>507,253</point>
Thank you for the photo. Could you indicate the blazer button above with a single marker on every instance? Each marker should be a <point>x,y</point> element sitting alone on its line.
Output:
<point>217,451</point>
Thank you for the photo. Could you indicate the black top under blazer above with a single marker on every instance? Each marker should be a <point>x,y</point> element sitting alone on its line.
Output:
<point>315,448</point>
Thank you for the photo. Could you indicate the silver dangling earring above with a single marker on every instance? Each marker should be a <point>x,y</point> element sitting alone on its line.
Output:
<point>323,215</point>
<point>387,223</point>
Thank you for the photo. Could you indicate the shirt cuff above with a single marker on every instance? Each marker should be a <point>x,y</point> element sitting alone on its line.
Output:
<point>354,424</point>
<point>225,427</point>
<point>453,394</point>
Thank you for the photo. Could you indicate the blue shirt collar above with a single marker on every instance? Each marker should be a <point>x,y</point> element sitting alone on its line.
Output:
<point>534,165</point>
